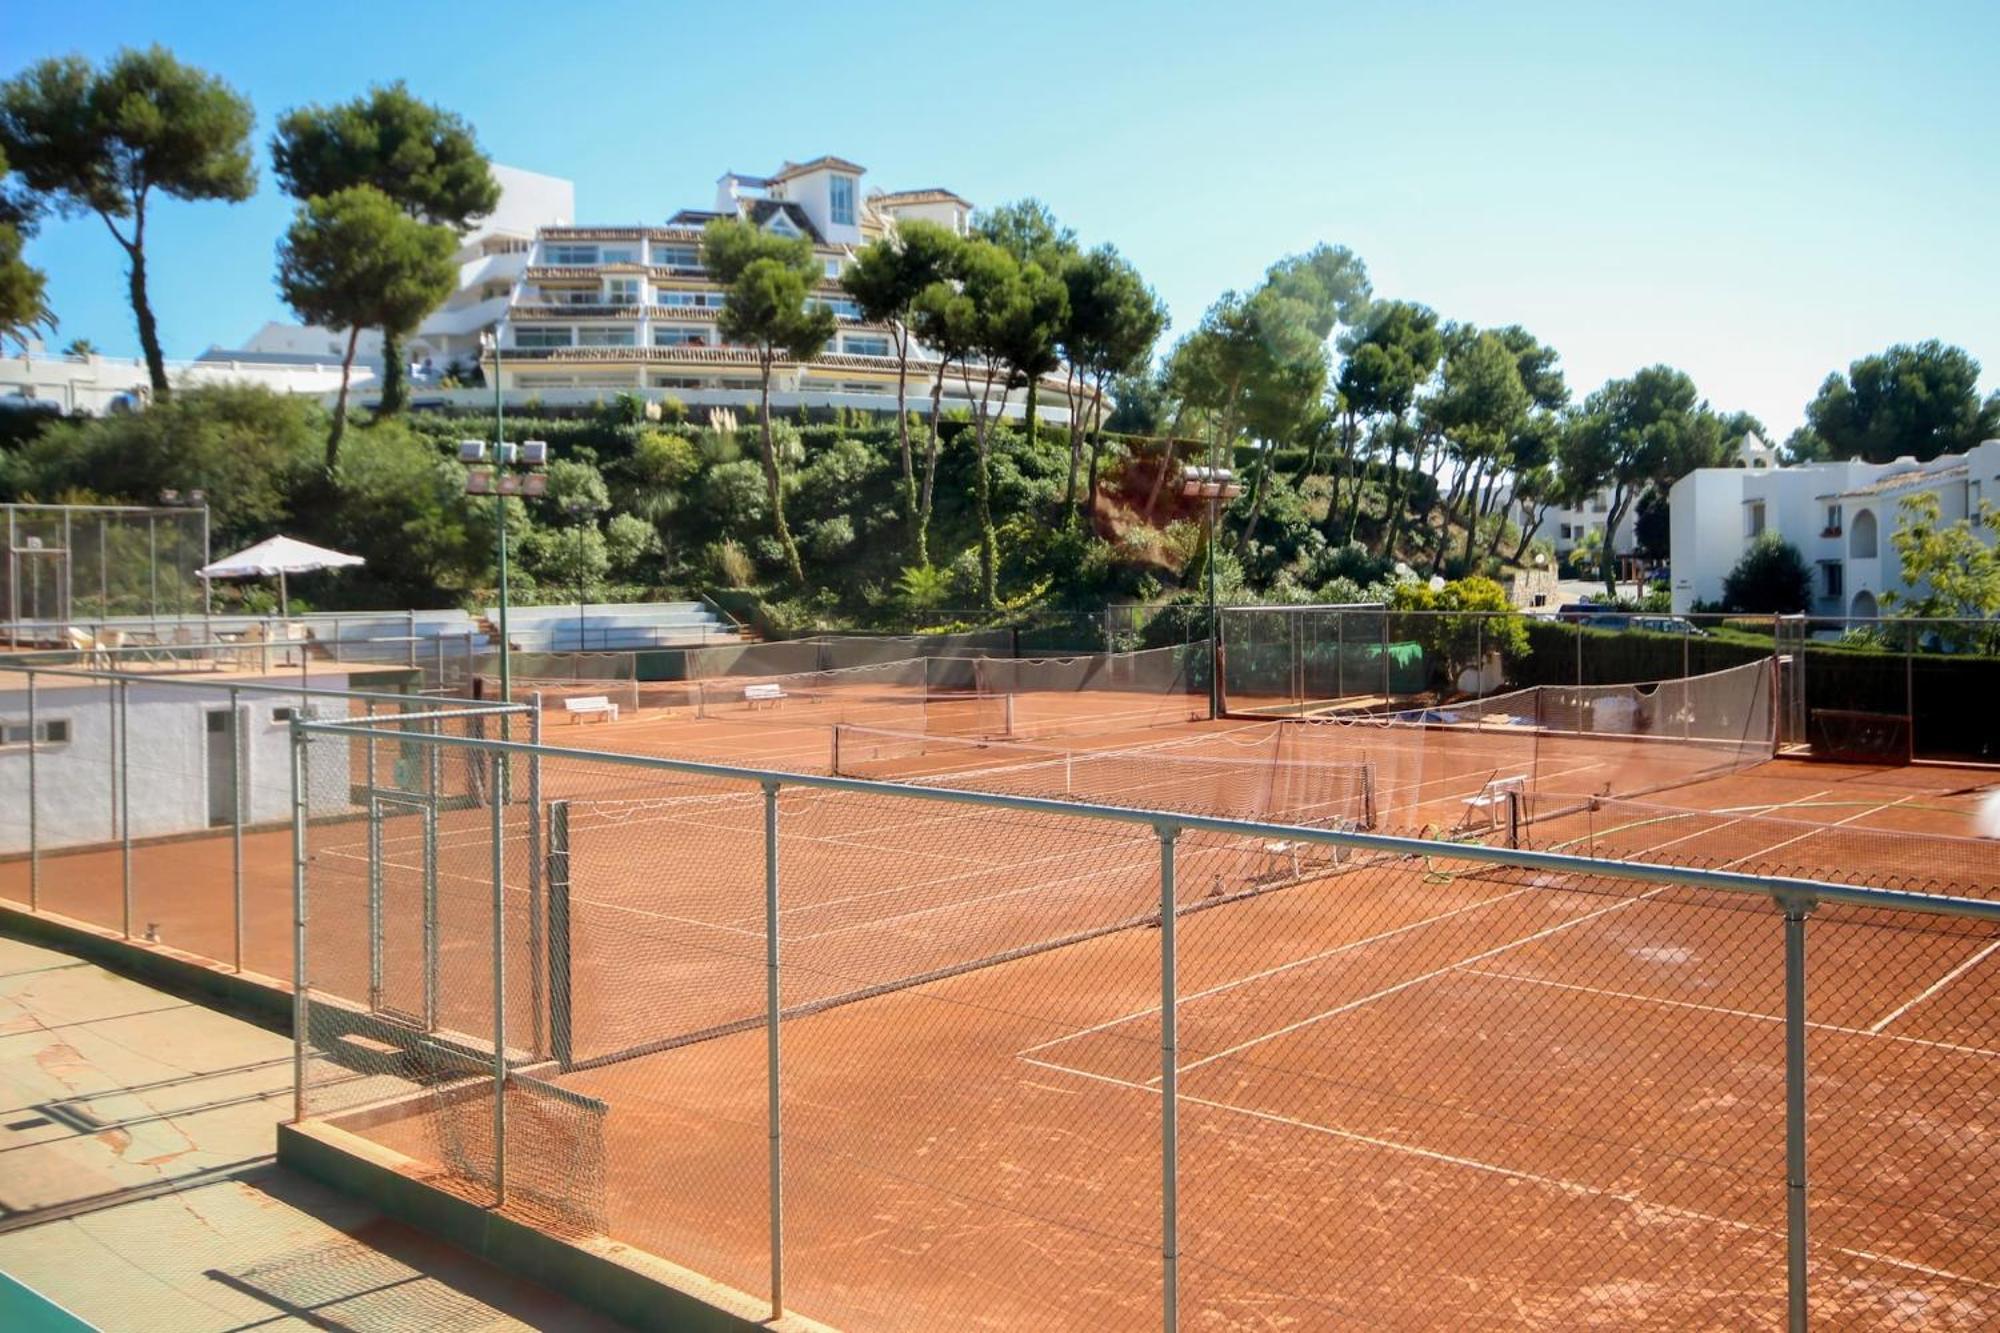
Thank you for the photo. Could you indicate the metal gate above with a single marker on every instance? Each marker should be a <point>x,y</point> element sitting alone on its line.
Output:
<point>403,909</point>
<point>1790,635</point>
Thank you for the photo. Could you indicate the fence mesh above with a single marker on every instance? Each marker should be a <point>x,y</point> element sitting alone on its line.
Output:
<point>1412,1083</point>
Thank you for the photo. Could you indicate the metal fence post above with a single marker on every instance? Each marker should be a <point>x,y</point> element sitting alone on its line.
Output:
<point>773,1105</point>
<point>123,763</point>
<point>497,801</point>
<point>412,645</point>
<point>1170,1233</point>
<point>536,905</point>
<point>236,742</point>
<point>34,829</point>
<point>1796,911</point>
<point>300,1006</point>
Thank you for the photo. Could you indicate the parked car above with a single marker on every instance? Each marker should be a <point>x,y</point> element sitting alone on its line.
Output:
<point>1652,624</point>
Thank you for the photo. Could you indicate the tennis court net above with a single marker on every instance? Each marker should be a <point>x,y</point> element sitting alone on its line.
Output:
<point>1254,782</point>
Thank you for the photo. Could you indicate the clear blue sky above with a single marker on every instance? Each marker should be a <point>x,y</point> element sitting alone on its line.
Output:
<point>1755,192</point>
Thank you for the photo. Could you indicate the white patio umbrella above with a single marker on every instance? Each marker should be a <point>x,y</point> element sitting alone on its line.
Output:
<point>280,557</point>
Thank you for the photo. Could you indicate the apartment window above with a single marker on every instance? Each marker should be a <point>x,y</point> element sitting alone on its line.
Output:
<point>606,338</point>
<point>621,291</point>
<point>676,382</point>
<point>48,731</point>
<point>570,254</point>
<point>1753,518</point>
<point>492,291</point>
<point>736,384</point>
<point>1832,522</point>
<point>842,201</point>
<point>870,346</point>
<point>1832,571</point>
<point>783,225</point>
<point>676,256</point>
<point>831,267</point>
<point>671,337</point>
<point>541,336</point>
<point>839,305</point>
<point>690,300</point>
<point>627,254</point>
<point>574,296</point>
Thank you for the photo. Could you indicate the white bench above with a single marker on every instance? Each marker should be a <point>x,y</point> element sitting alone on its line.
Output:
<point>1493,797</point>
<point>590,705</point>
<point>773,695</point>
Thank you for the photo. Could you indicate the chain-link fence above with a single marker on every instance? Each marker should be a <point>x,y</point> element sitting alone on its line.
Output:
<point>158,806</point>
<point>69,565</point>
<point>916,1056</point>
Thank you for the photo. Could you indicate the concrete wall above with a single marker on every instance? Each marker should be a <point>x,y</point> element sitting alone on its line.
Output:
<point>100,384</point>
<point>166,790</point>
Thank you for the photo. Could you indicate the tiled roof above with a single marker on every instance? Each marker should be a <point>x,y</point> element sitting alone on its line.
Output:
<point>594,233</point>
<point>791,169</point>
<point>1905,480</point>
<point>552,310</point>
<point>761,211</point>
<point>929,195</point>
<point>547,272</point>
<point>693,217</point>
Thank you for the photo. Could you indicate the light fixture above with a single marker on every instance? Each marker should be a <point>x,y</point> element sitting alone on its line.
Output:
<point>534,453</point>
<point>472,451</point>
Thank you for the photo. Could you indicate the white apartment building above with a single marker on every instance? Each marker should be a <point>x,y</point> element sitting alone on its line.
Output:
<point>602,310</point>
<point>1565,527</point>
<point>1840,516</point>
<point>491,259</point>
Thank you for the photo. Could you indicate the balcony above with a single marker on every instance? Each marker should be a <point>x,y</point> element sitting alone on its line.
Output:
<point>565,310</point>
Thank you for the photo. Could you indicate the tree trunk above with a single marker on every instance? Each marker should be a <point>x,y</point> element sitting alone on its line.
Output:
<point>1473,508</point>
<point>1607,559</point>
<point>142,308</point>
<point>340,403</point>
<point>395,384</point>
<point>1256,501</point>
<point>773,481</point>
<point>1075,441</point>
<point>930,473</point>
<point>1166,464</point>
<point>1392,509</point>
<point>903,435</point>
<point>1529,526</point>
<point>1343,467</point>
<point>1096,411</point>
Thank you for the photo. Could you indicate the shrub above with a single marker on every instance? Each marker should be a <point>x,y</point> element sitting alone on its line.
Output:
<point>829,538</point>
<point>628,541</point>
<point>733,494</point>
<point>732,564</point>
<point>1770,579</point>
<point>662,458</point>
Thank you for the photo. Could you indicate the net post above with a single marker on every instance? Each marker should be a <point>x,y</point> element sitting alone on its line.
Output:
<point>498,806</point>
<point>124,766</point>
<point>300,1004</point>
<point>536,907</point>
<point>1170,1244</point>
<point>1796,910</point>
<point>238,737</point>
<point>561,1046</point>
<point>34,828</point>
<point>772,1065</point>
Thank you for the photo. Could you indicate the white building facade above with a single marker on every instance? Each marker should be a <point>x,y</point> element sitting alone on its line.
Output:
<point>605,310</point>
<point>1840,516</point>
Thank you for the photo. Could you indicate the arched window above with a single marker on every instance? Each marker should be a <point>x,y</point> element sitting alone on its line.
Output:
<point>1861,536</point>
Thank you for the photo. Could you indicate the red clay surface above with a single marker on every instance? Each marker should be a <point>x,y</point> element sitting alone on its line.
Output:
<point>1411,1096</point>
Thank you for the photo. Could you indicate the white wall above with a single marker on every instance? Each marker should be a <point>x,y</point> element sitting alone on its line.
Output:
<point>100,384</point>
<point>167,762</point>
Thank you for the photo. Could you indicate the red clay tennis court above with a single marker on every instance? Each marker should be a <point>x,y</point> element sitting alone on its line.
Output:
<point>1413,1092</point>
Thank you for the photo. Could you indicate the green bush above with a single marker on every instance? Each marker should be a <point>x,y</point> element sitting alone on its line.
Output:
<point>1771,579</point>
<point>663,458</point>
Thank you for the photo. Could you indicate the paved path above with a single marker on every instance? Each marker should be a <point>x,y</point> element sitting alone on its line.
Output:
<point>138,1188</point>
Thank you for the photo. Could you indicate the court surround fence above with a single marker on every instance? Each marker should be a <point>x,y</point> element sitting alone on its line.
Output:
<point>157,805</point>
<point>1079,1053</point>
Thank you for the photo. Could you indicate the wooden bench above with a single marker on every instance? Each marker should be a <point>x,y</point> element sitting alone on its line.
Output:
<point>590,705</point>
<point>1494,796</point>
<point>773,695</point>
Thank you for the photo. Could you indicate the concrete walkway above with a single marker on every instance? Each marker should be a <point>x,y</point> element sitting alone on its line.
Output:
<point>138,1190</point>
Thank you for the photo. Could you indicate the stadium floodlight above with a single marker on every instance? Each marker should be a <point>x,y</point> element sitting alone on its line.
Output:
<point>1213,484</point>
<point>472,451</point>
<point>534,453</point>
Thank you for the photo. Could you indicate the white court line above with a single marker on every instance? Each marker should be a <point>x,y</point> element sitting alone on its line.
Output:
<point>1282,967</point>
<point>1729,1012</point>
<point>1463,962</point>
<point>1933,988</point>
<point>1557,1183</point>
<point>1404,985</point>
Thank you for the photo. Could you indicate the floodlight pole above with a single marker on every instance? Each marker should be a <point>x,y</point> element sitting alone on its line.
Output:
<point>500,519</point>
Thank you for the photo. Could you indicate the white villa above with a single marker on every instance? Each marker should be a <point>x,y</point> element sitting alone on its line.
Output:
<point>602,310</point>
<point>1839,515</point>
<point>1565,528</point>
<point>491,259</point>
